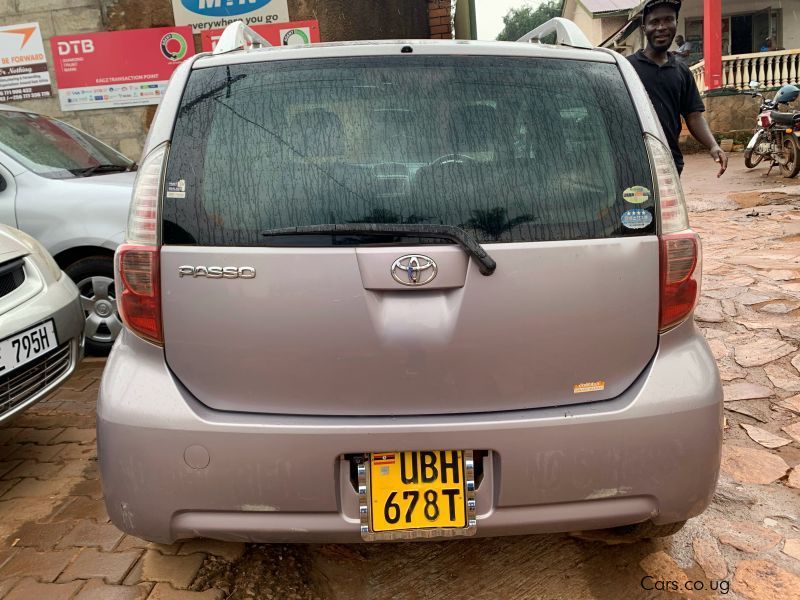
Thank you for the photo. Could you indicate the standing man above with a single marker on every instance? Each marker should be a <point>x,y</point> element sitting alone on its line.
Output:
<point>684,49</point>
<point>670,84</point>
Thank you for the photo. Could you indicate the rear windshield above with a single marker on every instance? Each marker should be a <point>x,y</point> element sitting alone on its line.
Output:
<point>510,149</point>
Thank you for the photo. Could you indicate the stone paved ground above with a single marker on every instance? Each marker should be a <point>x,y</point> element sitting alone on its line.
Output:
<point>56,541</point>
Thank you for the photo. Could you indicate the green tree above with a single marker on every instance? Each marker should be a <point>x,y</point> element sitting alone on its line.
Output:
<point>520,21</point>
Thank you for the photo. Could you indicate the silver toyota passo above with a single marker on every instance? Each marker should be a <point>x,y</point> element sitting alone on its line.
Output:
<point>396,290</point>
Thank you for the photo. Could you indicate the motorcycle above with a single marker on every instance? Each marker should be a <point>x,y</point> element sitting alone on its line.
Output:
<point>776,134</point>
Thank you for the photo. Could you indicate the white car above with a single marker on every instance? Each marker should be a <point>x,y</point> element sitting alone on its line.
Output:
<point>71,192</point>
<point>41,322</point>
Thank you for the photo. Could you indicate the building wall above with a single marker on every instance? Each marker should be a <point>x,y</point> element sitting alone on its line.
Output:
<point>596,29</point>
<point>611,25</point>
<point>790,15</point>
<point>732,113</point>
<point>126,128</point>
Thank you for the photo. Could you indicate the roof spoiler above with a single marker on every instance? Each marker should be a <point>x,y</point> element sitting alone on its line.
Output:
<point>567,33</point>
<point>238,36</point>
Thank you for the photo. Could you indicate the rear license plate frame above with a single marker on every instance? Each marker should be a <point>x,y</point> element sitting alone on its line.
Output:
<point>363,471</point>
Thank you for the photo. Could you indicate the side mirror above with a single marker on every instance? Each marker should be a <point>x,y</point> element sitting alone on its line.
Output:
<point>754,85</point>
<point>3,184</point>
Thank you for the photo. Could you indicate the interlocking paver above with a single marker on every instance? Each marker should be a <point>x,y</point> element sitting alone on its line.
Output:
<point>46,408</point>
<point>31,468</point>
<point>36,436</point>
<point>83,468</point>
<point>30,589</point>
<point>179,571</point>
<point>93,564</point>
<point>96,589</point>
<point>7,466</point>
<point>7,555</point>
<point>7,484</point>
<point>8,433</point>
<point>130,542</point>
<point>163,591</point>
<point>36,488</point>
<point>74,451</point>
<point>18,511</point>
<point>73,434</point>
<point>70,407</point>
<point>88,487</point>
<point>34,452</point>
<point>30,418</point>
<point>7,584</point>
<point>91,534</point>
<point>166,549</point>
<point>79,384</point>
<point>82,507</point>
<point>42,536</point>
<point>43,566</point>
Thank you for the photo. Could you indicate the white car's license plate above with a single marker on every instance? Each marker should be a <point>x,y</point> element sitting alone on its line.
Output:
<point>26,346</point>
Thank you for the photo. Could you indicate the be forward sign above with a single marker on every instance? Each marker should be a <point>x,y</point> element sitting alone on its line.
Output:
<point>215,14</point>
<point>23,66</point>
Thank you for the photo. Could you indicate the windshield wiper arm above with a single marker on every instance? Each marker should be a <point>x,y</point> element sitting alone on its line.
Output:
<point>89,171</point>
<point>486,264</point>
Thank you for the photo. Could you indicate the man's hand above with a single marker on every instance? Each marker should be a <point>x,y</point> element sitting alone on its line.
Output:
<point>699,129</point>
<point>718,154</point>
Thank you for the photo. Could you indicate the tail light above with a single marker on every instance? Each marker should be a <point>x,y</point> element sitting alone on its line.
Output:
<point>137,261</point>
<point>679,246</point>
<point>765,119</point>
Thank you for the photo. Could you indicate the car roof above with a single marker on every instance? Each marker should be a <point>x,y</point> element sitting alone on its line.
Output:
<point>392,47</point>
<point>161,129</point>
<point>15,109</point>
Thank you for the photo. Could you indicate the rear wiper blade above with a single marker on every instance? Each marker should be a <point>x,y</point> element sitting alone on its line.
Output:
<point>486,264</point>
<point>89,171</point>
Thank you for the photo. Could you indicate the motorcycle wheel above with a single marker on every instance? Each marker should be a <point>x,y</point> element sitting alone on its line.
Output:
<point>751,159</point>
<point>791,151</point>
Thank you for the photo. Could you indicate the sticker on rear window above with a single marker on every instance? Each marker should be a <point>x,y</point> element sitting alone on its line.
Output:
<point>636,195</point>
<point>636,218</point>
<point>176,189</point>
<point>589,386</point>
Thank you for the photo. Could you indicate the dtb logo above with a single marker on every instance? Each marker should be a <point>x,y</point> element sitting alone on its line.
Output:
<point>223,8</point>
<point>75,47</point>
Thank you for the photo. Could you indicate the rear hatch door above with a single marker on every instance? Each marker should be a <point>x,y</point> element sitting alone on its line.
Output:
<point>554,182</point>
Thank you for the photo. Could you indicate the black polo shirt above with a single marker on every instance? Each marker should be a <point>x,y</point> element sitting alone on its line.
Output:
<point>672,91</point>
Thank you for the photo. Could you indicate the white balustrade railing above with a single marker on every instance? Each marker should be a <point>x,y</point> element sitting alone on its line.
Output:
<point>770,69</point>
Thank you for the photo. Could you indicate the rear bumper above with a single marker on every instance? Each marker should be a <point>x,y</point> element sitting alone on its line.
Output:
<point>652,453</point>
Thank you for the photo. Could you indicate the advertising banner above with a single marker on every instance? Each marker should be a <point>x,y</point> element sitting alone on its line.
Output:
<point>23,66</point>
<point>294,33</point>
<point>217,14</point>
<point>118,68</point>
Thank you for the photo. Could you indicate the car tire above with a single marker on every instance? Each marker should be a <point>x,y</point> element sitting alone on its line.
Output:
<point>648,530</point>
<point>629,534</point>
<point>94,276</point>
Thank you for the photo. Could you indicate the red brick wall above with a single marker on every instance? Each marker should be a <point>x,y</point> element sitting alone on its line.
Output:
<point>440,17</point>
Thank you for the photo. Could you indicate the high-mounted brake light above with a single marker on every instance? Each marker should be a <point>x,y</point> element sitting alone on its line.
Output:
<point>679,245</point>
<point>137,261</point>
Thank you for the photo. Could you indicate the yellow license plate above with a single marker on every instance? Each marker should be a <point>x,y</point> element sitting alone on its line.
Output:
<point>417,490</point>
